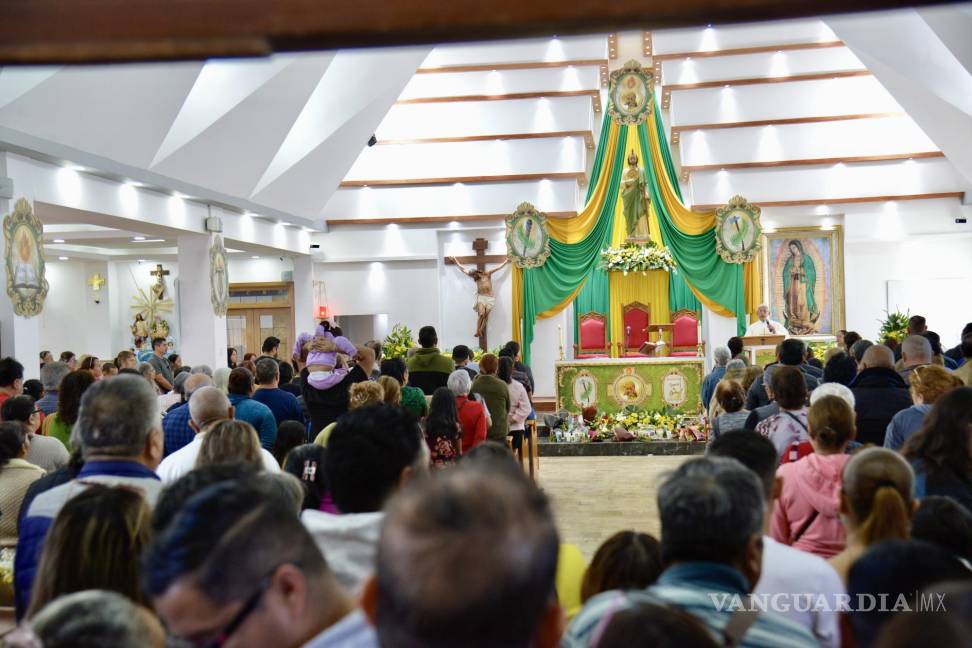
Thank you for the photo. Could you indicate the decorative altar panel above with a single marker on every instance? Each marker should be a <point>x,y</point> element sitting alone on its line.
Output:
<point>645,383</point>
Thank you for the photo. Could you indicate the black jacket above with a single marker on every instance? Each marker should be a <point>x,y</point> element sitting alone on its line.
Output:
<point>428,370</point>
<point>325,406</point>
<point>757,397</point>
<point>879,393</point>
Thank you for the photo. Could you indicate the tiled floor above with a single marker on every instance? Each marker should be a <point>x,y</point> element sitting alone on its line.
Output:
<point>593,497</point>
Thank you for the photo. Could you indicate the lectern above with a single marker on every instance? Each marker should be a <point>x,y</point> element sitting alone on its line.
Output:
<point>761,345</point>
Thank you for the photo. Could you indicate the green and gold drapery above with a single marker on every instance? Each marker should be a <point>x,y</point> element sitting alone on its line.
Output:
<point>571,273</point>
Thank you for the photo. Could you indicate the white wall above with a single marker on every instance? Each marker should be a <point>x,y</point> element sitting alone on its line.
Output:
<point>125,278</point>
<point>71,320</point>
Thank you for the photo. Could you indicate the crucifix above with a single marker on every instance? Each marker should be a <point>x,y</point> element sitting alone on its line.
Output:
<point>485,300</point>
<point>159,286</point>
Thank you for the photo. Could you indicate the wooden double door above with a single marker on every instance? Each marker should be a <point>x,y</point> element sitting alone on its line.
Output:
<point>258,311</point>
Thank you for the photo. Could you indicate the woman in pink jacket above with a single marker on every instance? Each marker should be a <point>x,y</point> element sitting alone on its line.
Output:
<point>520,407</point>
<point>806,514</point>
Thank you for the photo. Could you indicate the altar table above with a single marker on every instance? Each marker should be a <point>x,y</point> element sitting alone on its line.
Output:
<point>611,384</point>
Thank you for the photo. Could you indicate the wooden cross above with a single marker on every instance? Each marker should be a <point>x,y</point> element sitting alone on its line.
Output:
<point>480,260</point>
<point>160,275</point>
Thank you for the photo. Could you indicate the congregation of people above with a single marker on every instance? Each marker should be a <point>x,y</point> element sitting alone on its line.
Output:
<point>327,496</point>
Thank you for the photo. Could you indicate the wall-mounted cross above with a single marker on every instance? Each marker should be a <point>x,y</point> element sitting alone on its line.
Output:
<point>484,283</point>
<point>160,274</point>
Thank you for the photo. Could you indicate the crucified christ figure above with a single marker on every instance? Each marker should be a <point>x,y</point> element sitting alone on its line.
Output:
<point>485,300</point>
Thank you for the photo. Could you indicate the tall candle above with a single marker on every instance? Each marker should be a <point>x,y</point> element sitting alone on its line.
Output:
<point>560,335</point>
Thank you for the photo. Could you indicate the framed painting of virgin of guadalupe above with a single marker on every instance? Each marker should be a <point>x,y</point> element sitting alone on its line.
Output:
<point>803,271</point>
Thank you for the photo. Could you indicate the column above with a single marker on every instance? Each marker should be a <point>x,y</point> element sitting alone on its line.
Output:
<point>716,331</point>
<point>203,334</point>
<point>305,313</point>
<point>19,336</point>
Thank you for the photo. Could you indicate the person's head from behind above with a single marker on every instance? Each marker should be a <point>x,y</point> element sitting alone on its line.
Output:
<point>230,441</point>
<point>947,624</point>
<point>365,393</point>
<point>306,463</point>
<point>146,370</point>
<point>109,369</point>
<point>459,382</point>
<point>488,364</point>
<point>755,452</point>
<point>966,346</point>
<point>394,367</point>
<point>935,340</point>
<point>94,543</point>
<point>461,355</point>
<point>240,382</point>
<point>858,349</point>
<point>712,509</point>
<point>789,388</point>
<point>917,325</point>
<point>793,352</point>
<point>830,424</point>
<point>946,434</point>
<point>22,410</point>
<point>370,454</point>
<point>730,396</point>
<point>11,376</point>
<point>735,345</point>
<point>850,339</point>
<point>505,370</point>
<point>96,618</point>
<point>721,356</point>
<point>427,337</point>
<point>286,372</point>
<point>902,571</point>
<point>290,434</point>
<point>649,625</point>
<point>270,346</point>
<point>626,560</point>
<point>931,382</point>
<point>391,390</point>
<point>203,590</point>
<point>916,350</point>
<point>427,592</point>
<point>119,418</point>
<point>876,496</point>
<point>442,419</point>
<point>944,522</point>
<point>174,496</point>
<point>207,405</point>
<point>877,356</point>
<point>13,441</point>
<point>70,392</point>
<point>267,372</point>
<point>52,374</point>
<point>841,368</point>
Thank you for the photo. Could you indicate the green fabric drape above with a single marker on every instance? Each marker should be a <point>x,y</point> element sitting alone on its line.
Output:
<point>594,296</point>
<point>695,254</point>
<point>571,264</point>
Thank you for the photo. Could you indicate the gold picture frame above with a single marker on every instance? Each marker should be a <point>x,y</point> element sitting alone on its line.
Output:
<point>23,254</point>
<point>803,279</point>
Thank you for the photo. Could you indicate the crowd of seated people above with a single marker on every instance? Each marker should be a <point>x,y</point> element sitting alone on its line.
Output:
<point>238,507</point>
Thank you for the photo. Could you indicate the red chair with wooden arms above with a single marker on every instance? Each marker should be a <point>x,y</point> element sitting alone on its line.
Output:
<point>592,331</point>
<point>635,321</point>
<point>685,334</point>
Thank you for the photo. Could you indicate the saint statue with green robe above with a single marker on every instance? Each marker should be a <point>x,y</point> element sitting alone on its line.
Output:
<point>634,198</point>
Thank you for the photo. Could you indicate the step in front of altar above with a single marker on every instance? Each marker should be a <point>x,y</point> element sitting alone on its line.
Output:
<point>615,449</point>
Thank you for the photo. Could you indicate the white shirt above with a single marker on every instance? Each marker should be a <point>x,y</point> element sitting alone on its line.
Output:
<point>349,543</point>
<point>183,460</point>
<point>801,575</point>
<point>759,327</point>
<point>353,631</point>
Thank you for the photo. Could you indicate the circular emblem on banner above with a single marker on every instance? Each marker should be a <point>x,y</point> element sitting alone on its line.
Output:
<point>738,231</point>
<point>629,388</point>
<point>674,388</point>
<point>27,285</point>
<point>584,389</point>
<point>630,95</point>
<point>527,240</point>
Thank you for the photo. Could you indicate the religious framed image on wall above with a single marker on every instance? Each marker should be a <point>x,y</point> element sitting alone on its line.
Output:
<point>803,275</point>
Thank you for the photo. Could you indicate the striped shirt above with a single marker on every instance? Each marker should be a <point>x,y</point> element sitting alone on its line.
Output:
<point>698,588</point>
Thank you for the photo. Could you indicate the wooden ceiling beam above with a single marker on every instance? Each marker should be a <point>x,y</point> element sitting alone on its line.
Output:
<point>426,220</point>
<point>857,159</point>
<point>62,31</point>
<point>513,177</point>
<point>837,201</point>
<point>586,134</point>
<point>788,121</point>
<point>503,67</point>
<point>739,51</point>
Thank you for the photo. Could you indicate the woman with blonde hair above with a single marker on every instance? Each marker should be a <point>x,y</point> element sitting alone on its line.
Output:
<point>928,384</point>
<point>392,390</point>
<point>230,441</point>
<point>876,503</point>
<point>95,543</point>
<point>361,394</point>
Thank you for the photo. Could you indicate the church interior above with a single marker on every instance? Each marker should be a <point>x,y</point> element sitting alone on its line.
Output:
<point>617,202</point>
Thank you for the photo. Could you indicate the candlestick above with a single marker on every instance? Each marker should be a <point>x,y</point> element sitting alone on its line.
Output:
<point>560,336</point>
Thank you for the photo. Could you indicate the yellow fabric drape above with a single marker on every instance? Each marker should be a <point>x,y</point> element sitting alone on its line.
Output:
<point>753,282</point>
<point>517,303</point>
<point>650,289</point>
<point>572,230</point>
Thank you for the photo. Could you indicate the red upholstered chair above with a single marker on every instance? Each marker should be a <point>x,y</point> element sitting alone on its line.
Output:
<point>592,330</point>
<point>685,333</point>
<point>635,321</point>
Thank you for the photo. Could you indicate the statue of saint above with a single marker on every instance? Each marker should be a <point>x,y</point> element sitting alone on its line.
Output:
<point>635,199</point>
<point>485,300</point>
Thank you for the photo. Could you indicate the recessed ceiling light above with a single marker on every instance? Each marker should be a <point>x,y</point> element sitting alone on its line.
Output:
<point>58,241</point>
<point>255,257</point>
<point>142,239</point>
<point>141,260</point>
<point>62,258</point>
<point>138,238</point>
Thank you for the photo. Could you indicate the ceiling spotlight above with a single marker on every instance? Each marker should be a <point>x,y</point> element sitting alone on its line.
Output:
<point>372,140</point>
<point>62,258</point>
<point>58,241</point>
<point>254,257</point>
<point>138,238</point>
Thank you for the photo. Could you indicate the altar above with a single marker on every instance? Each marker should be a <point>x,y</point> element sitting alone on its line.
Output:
<point>613,384</point>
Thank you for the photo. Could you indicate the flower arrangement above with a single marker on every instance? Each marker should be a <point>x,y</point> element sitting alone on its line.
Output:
<point>398,342</point>
<point>894,326</point>
<point>635,257</point>
<point>633,424</point>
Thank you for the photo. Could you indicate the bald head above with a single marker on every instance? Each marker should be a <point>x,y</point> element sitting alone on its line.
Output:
<point>208,405</point>
<point>878,356</point>
<point>196,381</point>
<point>916,350</point>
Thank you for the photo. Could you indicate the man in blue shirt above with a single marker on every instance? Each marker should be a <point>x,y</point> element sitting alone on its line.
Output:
<point>711,512</point>
<point>284,405</point>
<point>720,357</point>
<point>119,431</point>
<point>175,425</point>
